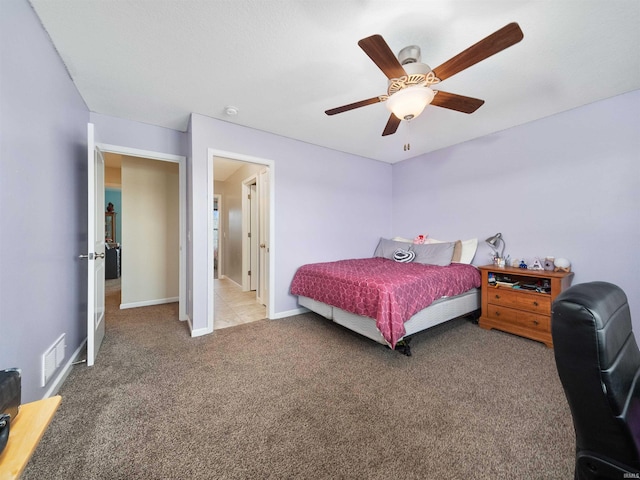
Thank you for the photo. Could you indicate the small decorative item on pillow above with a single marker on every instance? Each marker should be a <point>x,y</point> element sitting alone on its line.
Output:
<point>420,239</point>
<point>404,256</point>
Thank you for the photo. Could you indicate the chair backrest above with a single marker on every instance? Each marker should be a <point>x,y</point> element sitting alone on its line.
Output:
<point>598,363</point>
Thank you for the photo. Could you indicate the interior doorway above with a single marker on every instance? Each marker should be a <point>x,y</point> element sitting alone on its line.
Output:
<point>243,185</point>
<point>113,230</point>
<point>116,154</point>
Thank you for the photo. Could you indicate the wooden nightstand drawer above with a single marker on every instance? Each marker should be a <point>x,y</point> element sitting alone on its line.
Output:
<point>535,303</point>
<point>520,318</point>
<point>502,296</point>
<point>519,299</point>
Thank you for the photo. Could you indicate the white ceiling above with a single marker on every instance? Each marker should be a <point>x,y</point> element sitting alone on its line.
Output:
<point>282,63</point>
<point>223,168</point>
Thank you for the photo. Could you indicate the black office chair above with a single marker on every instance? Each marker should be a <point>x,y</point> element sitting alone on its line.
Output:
<point>598,363</point>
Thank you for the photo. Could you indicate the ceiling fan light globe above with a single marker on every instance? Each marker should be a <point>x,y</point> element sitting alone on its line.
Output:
<point>409,102</point>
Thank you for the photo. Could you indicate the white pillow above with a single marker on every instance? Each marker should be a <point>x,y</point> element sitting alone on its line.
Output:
<point>469,248</point>
<point>400,239</point>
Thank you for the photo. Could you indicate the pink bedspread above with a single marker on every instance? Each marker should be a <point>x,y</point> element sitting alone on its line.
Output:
<point>387,291</point>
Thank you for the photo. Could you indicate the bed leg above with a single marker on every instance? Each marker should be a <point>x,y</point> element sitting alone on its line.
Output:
<point>474,316</point>
<point>403,347</point>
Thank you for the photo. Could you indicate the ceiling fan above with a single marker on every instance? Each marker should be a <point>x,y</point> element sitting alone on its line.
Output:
<point>409,87</point>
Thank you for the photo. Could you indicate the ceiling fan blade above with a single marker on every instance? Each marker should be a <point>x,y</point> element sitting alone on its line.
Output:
<point>351,106</point>
<point>456,102</point>
<point>494,43</point>
<point>392,125</point>
<point>382,56</point>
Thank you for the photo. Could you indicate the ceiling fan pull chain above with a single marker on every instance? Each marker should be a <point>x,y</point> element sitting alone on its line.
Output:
<point>407,145</point>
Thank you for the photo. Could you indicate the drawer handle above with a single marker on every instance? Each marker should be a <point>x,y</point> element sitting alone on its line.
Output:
<point>536,322</point>
<point>497,314</point>
<point>535,304</point>
<point>497,296</point>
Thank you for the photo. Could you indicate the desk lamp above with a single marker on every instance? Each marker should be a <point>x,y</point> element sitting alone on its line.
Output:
<point>493,242</point>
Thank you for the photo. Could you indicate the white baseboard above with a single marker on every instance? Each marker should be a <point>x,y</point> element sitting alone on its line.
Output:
<point>64,373</point>
<point>148,303</point>
<point>200,331</point>
<point>229,279</point>
<point>289,313</point>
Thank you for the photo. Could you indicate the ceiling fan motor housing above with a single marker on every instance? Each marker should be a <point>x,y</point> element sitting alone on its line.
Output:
<point>417,75</point>
<point>410,54</point>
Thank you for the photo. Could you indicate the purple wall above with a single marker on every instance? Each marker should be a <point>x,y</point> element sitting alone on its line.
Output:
<point>43,197</point>
<point>328,205</point>
<point>141,136</point>
<point>564,186</point>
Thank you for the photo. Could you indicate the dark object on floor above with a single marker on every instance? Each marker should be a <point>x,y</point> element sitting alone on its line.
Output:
<point>112,262</point>
<point>599,366</point>
<point>10,397</point>
<point>403,346</point>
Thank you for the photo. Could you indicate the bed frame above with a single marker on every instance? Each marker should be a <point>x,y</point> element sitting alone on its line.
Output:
<point>438,312</point>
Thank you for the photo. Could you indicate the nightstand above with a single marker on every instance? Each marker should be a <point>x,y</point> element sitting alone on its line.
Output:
<point>514,304</point>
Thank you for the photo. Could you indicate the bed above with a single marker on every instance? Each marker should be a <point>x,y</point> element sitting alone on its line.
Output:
<point>388,300</point>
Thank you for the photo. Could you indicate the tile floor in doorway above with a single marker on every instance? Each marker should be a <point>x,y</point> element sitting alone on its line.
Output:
<point>232,306</point>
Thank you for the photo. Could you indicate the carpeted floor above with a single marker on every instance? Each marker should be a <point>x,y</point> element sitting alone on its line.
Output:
<point>302,398</point>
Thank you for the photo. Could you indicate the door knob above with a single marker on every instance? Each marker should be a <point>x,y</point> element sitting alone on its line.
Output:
<point>92,256</point>
<point>262,245</point>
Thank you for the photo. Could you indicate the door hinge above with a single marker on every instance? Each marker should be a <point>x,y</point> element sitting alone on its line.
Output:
<point>249,234</point>
<point>249,273</point>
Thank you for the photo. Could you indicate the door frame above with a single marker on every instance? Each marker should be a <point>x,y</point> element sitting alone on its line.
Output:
<point>211,154</point>
<point>182,189</point>
<point>246,228</point>
<point>221,231</point>
<point>263,185</point>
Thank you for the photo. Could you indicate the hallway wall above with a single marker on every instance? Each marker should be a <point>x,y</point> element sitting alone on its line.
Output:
<point>150,232</point>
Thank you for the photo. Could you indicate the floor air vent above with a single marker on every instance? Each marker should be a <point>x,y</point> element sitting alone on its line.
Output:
<point>52,359</point>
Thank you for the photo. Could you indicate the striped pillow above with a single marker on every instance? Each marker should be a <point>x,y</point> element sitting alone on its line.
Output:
<point>404,256</point>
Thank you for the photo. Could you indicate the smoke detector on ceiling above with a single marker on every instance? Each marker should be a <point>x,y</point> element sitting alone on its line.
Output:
<point>231,111</point>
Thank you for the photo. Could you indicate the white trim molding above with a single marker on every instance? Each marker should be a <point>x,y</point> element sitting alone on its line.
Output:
<point>148,303</point>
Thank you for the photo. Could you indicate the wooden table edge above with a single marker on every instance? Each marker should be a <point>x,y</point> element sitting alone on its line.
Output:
<point>26,431</point>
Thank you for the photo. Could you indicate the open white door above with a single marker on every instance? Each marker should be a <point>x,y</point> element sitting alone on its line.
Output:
<point>95,248</point>
<point>253,238</point>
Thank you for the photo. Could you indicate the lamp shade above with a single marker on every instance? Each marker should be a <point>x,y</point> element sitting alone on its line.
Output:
<point>494,241</point>
<point>409,102</point>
